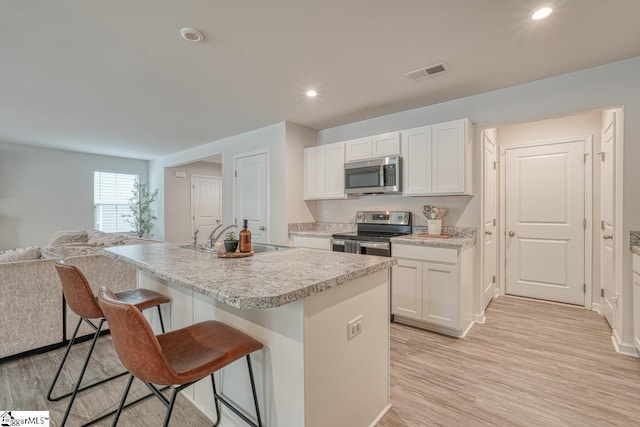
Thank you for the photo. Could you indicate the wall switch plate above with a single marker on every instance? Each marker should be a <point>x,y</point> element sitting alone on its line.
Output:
<point>354,327</point>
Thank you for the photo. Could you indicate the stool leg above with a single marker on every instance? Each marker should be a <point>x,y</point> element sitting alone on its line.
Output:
<point>124,399</point>
<point>160,316</point>
<point>62,362</point>
<point>253,389</point>
<point>215,399</point>
<point>170,406</point>
<point>84,368</point>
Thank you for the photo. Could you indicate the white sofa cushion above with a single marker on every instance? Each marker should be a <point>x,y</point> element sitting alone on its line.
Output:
<point>68,236</point>
<point>21,254</point>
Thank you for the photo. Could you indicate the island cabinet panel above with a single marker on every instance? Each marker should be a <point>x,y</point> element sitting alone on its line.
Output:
<point>312,242</point>
<point>636,301</point>
<point>432,288</point>
<point>324,172</point>
<point>437,159</point>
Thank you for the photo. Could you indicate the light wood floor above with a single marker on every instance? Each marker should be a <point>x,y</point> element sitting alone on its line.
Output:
<point>531,364</point>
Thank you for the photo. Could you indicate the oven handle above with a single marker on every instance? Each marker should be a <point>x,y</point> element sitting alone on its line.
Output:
<point>373,245</point>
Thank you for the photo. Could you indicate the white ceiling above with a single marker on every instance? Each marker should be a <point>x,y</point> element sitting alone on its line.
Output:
<point>115,77</point>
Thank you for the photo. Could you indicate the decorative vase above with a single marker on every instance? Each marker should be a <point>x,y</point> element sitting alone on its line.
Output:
<point>230,245</point>
<point>434,227</point>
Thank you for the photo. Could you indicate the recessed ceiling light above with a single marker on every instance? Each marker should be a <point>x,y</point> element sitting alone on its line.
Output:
<point>191,34</point>
<point>541,13</point>
<point>311,93</point>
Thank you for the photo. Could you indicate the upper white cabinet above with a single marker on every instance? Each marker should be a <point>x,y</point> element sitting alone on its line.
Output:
<point>437,159</point>
<point>324,172</point>
<point>371,147</point>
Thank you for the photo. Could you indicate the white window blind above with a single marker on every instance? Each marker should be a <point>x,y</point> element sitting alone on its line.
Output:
<point>111,194</point>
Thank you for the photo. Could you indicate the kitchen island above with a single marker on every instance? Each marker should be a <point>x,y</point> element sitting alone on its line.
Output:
<point>299,303</point>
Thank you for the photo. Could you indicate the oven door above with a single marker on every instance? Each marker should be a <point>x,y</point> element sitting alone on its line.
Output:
<point>375,248</point>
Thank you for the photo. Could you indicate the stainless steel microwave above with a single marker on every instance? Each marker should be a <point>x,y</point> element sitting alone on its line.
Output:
<point>375,176</point>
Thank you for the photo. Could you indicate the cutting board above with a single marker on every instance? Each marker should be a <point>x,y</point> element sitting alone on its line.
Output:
<point>235,254</point>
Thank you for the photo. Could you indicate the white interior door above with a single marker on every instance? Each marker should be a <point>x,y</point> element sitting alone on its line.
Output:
<point>205,205</point>
<point>607,211</point>
<point>544,196</point>
<point>250,194</point>
<point>490,235</point>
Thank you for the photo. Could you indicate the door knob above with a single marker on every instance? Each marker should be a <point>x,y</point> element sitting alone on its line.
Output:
<point>511,234</point>
<point>488,233</point>
<point>607,236</point>
<point>262,228</point>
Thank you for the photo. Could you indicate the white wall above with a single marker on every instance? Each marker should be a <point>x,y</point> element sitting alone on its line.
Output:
<point>271,138</point>
<point>177,207</point>
<point>591,89</point>
<point>589,123</point>
<point>44,190</point>
<point>297,139</point>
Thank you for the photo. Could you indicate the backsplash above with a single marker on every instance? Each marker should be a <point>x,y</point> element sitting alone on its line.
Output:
<point>321,226</point>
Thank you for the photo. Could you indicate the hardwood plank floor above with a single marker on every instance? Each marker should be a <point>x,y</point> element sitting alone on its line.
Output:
<point>531,364</point>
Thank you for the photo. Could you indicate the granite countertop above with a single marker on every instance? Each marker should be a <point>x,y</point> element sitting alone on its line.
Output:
<point>265,280</point>
<point>313,233</point>
<point>319,229</point>
<point>437,242</point>
<point>635,242</point>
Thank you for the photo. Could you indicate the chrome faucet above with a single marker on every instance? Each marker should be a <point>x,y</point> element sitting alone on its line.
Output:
<point>210,238</point>
<point>195,237</point>
<point>215,239</point>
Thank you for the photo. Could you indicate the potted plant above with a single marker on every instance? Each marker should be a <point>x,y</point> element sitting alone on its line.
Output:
<point>142,216</point>
<point>230,242</point>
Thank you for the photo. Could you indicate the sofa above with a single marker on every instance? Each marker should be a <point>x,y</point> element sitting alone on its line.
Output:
<point>32,315</point>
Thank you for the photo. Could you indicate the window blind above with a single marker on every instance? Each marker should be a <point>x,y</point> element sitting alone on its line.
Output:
<point>111,194</point>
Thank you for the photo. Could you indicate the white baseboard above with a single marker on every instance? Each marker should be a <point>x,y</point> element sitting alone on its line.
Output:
<point>480,318</point>
<point>622,347</point>
<point>382,414</point>
<point>596,307</point>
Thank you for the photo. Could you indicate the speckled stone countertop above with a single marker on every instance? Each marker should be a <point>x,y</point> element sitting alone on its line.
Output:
<point>635,242</point>
<point>462,237</point>
<point>265,280</point>
<point>319,229</point>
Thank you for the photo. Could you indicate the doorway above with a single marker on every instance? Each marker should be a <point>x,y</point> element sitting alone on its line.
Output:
<point>206,207</point>
<point>545,212</point>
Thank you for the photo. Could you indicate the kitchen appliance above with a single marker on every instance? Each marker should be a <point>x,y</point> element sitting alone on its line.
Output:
<point>375,176</point>
<point>373,234</point>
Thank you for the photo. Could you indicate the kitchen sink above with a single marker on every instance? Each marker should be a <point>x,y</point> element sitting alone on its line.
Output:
<point>256,247</point>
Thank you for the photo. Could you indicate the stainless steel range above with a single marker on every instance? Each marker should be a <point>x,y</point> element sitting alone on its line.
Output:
<point>374,231</point>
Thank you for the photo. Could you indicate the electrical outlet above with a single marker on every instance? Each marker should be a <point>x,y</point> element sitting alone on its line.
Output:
<point>354,327</point>
<point>325,214</point>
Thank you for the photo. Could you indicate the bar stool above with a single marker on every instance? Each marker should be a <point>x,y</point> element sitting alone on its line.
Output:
<point>178,358</point>
<point>80,298</point>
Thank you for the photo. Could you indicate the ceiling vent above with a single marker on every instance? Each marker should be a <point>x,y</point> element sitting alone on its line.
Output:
<point>423,73</point>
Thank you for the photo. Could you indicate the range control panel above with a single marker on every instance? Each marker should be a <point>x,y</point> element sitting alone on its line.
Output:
<point>383,217</point>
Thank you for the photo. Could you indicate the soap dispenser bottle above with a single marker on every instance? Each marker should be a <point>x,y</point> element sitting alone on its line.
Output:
<point>245,238</point>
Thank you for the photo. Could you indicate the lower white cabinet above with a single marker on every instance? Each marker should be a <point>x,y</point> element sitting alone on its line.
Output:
<point>636,301</point>
<point>431,288</point>
<point>311,242</point>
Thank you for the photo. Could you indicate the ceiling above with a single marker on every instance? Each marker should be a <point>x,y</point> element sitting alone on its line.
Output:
<point>116,78</point>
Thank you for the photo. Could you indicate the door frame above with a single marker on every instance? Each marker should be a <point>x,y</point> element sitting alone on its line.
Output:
<point>480,314</point>
<point>588,210</point>
<point>195,175</point>
<point>268,183</point>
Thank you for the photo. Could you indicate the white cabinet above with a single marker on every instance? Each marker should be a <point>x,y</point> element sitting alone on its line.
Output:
<point>324,172</point>
<point>437,159</point>
<point>371,147</point>
<point>636,301</point>
<point>311,242</point>
<point>432,288</point>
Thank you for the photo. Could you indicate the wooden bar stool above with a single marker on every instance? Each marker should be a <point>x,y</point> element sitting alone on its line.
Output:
<point>80,298</point>
<point>178,358</point>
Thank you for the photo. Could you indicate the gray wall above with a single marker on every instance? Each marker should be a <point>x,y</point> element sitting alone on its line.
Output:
<point>44,190</point>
